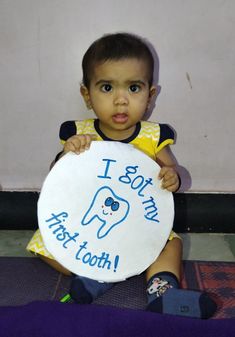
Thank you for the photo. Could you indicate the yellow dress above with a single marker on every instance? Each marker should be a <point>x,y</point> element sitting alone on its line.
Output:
<point>148,137</point>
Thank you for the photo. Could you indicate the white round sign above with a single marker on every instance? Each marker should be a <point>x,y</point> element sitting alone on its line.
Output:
<point>102,214</point>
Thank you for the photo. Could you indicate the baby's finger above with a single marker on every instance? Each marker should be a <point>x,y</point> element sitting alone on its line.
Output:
<point>89,139</point>
<point>82,143</point>
<point>166,183</point>
<point>162,172</point>
<point>172,188</point>
<point>69,146</point>
<point>72,144</point>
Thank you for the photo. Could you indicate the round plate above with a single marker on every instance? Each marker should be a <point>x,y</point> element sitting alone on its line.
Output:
<point>102,214</point>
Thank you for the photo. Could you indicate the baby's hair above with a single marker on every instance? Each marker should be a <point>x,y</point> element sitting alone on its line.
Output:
<point>114,47</point>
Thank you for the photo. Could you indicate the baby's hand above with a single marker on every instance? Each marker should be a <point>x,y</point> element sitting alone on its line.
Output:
<point>78,143</point>
<point>170,179</point>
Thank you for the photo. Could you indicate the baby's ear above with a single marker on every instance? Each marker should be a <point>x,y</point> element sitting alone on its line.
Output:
<point>85,94</point>
<point>152,91</point>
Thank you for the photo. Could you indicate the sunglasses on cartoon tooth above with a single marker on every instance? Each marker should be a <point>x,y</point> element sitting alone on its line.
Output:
<point>109,202</point>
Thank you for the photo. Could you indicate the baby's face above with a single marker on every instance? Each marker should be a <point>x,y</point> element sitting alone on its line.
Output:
<point>119,94</point>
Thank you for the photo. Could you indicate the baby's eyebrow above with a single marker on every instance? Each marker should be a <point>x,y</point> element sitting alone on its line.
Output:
<point>102,81</point>
<point>140,82</point>
<point>129,82</point>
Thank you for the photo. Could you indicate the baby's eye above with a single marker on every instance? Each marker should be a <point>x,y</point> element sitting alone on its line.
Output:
<point>106,87</point>
<point>134,88</point>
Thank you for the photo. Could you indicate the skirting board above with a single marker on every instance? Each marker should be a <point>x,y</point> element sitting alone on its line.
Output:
<point>194,212</point>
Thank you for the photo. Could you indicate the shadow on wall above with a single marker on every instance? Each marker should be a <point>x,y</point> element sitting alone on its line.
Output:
<point>155,80</point>
<point>186,180</point>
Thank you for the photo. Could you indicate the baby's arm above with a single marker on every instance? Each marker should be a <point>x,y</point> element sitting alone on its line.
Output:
<point>168,173</point>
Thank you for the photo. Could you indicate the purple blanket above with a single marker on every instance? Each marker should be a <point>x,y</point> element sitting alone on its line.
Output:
<point>53,319</point>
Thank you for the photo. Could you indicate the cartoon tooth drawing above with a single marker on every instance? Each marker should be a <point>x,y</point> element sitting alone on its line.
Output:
<point>108,208</point>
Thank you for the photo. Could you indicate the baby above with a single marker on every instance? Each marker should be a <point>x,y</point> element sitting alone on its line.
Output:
<point>118,86</point>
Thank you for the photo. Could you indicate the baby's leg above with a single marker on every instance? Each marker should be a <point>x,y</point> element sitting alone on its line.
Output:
<point>169,260</point>
<point>55,265</point>
<point>36,246</point>
<point>163,293</point>
<point>82,290</point>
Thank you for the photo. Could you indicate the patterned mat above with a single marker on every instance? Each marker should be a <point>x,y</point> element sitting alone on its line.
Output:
<point>23,280</point>
<point>218,279</point>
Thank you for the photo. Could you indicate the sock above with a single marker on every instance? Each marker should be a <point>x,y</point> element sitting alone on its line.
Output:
<point>84,290</point>
<point>164,296</point>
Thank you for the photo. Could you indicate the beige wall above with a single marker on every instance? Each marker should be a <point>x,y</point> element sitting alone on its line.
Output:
<point>41,47</point>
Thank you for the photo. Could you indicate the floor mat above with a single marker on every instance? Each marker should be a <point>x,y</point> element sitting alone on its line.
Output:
<point>25,279</point>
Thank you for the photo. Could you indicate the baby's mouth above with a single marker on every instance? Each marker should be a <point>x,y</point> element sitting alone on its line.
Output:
<point>120,118</point>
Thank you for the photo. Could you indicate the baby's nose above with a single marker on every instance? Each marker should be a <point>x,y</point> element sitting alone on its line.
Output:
<point>121,97</point>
